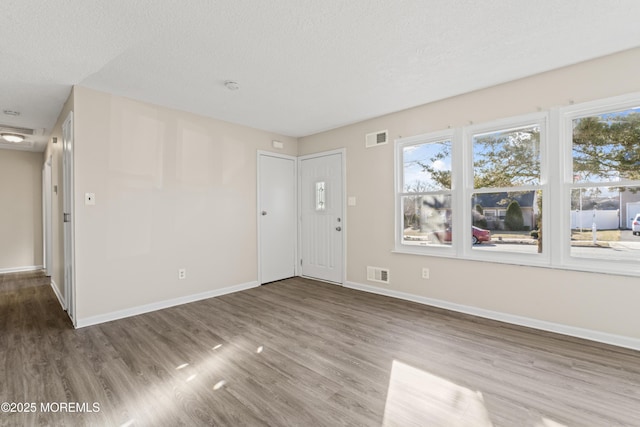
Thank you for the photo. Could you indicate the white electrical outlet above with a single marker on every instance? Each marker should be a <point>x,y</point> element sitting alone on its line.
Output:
<point>182,273</point>
<point>425,273</point>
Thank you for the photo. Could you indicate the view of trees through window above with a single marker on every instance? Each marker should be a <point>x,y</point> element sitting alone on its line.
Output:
<point>502,184</point>
<point>605,157</point>
<point>606,148</point>
<point>506,176</point>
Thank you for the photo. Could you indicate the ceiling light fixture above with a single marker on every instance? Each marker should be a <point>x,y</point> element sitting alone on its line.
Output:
<point>12,137</point>
<point>231,85</point>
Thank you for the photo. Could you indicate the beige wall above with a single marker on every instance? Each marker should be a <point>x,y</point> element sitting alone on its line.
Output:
<point>603,303</point>
<point>20,210</point>
<point>55,152</point>
<point>176,190</point>
<point>173,190</point>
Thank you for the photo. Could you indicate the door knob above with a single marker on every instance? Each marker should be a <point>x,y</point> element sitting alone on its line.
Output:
<point>338,228</point>
<point>264,213</point>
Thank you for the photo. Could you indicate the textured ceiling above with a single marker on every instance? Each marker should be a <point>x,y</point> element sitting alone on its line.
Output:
<point>303,66</point>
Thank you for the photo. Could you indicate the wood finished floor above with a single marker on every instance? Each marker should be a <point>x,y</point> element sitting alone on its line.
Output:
<point>302,353</point>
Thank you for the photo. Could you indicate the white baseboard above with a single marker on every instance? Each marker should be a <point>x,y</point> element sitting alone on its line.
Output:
<point>617,340</point>
<point>56,291</point>
<point>21,269</point>
<point>134,311</point>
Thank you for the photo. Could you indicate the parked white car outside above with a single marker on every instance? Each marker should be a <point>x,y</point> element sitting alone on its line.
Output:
<point>635,225</point>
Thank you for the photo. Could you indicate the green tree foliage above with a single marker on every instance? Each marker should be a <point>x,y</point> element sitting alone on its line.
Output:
<point>506,159</point>
<point>501,159</point>
<point>607,147</point>
<point>513,219</point>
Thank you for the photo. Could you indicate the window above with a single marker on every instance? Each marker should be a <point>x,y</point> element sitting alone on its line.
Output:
<point>559,189</point>
<point>320,196</point>
<point>489,214</point>
<point>604,185</point>
<point>499,205</point>
<point>424,191</point>
<point>567,203</point>
<point>506,184</point>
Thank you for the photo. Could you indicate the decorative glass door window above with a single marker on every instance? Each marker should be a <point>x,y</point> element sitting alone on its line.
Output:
<point>321,196</point>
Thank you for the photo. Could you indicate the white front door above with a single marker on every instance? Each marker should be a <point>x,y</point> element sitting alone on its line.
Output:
<point>276,217</point>
<point>67,200</point>
<point>322,216</point>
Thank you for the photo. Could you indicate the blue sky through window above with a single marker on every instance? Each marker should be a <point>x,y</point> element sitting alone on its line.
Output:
<point>436,156</point>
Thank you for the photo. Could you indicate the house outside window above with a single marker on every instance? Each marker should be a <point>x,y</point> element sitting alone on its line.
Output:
<point>506,159</point>
<point>490,214</point>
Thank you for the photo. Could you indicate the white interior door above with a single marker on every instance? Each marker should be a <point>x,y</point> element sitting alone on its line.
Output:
<point>276,217</point>
<point>67,200</point>
<point>321,216</point>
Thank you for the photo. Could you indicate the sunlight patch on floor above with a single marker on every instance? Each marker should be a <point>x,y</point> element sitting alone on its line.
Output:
<point>209,373</point>
<point>416,397</point>
<point>546,422</point>
<point>219,385</point>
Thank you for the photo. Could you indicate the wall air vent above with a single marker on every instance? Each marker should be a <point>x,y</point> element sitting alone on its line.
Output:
<point>19,146</point>
<point>376,138</point>
<point>377,274</point>
<point>13,129</point>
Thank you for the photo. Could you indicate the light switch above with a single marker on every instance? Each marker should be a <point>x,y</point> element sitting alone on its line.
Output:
<point>351,201</point>
<point>89,199</point>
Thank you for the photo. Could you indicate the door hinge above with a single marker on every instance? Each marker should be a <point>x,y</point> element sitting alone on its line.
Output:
<point>66,217</point>
<point>301,262</point>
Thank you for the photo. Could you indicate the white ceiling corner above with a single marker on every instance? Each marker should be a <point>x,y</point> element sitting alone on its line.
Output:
<point>303,66</point>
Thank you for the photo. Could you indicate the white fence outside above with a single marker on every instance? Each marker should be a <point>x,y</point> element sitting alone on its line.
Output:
<point>604,220</point>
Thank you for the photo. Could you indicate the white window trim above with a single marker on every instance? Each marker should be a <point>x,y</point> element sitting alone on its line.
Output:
<point>565,117</point>
<point>462,189</point>
<point>556,181</point>
<point>468,251</point>
<point>432,250</point>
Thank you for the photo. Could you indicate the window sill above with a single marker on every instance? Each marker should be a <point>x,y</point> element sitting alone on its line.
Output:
<point>583,265</point>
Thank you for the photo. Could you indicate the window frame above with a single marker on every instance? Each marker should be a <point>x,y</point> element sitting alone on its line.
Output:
<point>400,144</point>
<point>566,116</point>
<point>468,252</point>
<point>556,182</point>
